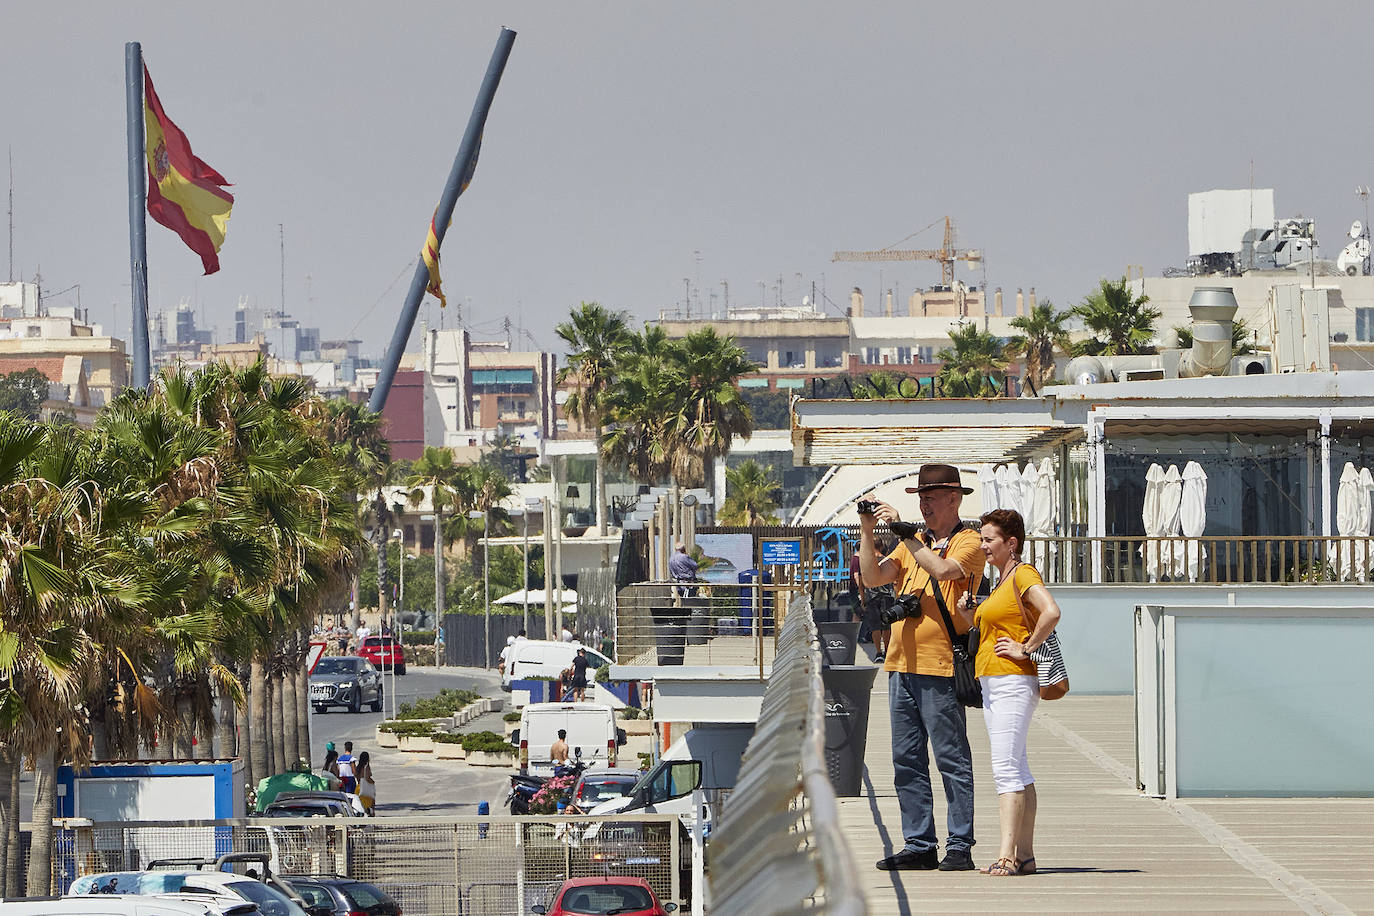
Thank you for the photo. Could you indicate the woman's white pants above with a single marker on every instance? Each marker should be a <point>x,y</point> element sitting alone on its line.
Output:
<point>1008,702</point>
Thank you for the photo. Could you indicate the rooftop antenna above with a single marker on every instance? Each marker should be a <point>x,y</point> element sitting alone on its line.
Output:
<point>11,214</point>
<point>281,237</point>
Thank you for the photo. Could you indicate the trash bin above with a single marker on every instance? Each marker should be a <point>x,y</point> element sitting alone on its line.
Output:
<point>670,633</point>
<point>698,621</point>
<point>848,689</point>
<point>839,642</point>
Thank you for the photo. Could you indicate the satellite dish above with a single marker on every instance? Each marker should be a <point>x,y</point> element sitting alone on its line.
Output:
<point>1356,228</point>
<point>806,300</point>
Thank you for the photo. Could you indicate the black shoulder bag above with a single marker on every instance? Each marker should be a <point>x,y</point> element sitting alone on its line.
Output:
<point>966,687</point>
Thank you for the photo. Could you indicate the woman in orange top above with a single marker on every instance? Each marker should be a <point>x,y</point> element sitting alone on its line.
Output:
<point>1012,622</point>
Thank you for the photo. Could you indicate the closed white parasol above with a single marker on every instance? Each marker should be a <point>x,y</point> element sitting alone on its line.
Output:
<point>1193,519</point>
<point>1040,524</point>
<point>988,488</point>
<point>1349,495</point>
<point>1170,502</point>
<point>1363,520</point>
<point>1153,518</point>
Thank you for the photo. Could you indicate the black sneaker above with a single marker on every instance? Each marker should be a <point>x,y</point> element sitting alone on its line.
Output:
<point>911,860</point>
<point>879,658</point>
<point>957,860</point>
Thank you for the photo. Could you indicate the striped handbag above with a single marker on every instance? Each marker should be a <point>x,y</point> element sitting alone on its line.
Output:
<point>1049,660</point>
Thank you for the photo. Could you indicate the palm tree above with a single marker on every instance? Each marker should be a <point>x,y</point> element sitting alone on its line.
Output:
<point>973,365</point>
<point>751,491</point>
<point>637,405</point>
<point>1120,324</point>
<point>596,338</point>
<point>1043,335</point>
<point>437,476</point>
<point>709,412</point>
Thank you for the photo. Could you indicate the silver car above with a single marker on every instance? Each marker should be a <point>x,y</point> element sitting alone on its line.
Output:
<point>347,681</point>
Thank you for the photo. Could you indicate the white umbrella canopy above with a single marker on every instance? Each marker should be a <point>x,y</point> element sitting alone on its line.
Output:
<point>1040,524</point>
<point>1348,498</point>
<point>536,596</point>
<point>987,486</point>
<point>1170,502</point>
<point>1153,517</point>
<point>1006,487</point>
<point>1193,521</point>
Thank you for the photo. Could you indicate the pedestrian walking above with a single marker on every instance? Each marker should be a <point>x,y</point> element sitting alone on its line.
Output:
<point>347,768</point>
<point>920,663</point>
<point>367,783</point>
<point>330,769</point>
<point>1013,621</point>
<point>579,675</point>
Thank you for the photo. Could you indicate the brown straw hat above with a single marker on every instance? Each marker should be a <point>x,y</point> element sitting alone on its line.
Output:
<point>937,477</point>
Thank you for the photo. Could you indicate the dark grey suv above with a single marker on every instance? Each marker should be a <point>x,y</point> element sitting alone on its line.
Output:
<point>347,681</point>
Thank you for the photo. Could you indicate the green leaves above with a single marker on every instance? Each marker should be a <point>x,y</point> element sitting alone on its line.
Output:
<point>1120,323</point>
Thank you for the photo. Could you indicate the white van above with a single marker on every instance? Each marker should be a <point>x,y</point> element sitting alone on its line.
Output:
<point>708,757</point>
<point>590,727</point>
<point>128,905</point>
<point>546,658</point>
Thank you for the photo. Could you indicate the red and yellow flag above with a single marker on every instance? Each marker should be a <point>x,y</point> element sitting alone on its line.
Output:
<point>184,194</point>
<point>431,255</point>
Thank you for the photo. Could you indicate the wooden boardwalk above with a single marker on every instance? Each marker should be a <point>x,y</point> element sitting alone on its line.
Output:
<point>1103,848</point>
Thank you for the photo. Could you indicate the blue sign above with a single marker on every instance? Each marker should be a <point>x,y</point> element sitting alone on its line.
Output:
<point>781,553</point>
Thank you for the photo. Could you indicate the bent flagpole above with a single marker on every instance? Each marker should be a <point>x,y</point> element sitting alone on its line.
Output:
<point>138,237</point>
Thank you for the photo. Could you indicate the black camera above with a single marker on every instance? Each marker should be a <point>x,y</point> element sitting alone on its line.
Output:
<point>903,607</point>
<point>866,506</point>
<point>902,529</point>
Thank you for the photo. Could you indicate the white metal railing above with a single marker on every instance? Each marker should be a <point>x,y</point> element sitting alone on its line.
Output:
<point>779,847</point>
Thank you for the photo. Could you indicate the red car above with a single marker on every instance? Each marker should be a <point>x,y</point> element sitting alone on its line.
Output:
<point>383,652</point>
<point>609,894</point>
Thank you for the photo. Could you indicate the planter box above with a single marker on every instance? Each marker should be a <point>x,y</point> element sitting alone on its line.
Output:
<point>387,739</point>
<point>510,727</point>
<point>636,726</point>
<point>446,751</point>
<point>417,743</point>
<point>488,759</point>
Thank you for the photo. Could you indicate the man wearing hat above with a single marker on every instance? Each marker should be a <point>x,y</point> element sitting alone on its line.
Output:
<point>920,668</point>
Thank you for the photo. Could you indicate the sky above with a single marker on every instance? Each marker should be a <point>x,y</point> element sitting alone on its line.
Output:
<point>638,154</point>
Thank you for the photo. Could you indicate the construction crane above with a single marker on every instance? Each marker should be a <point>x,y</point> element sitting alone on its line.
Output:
<point>946,255</point>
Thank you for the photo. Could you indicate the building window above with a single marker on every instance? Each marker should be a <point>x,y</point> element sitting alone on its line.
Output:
<point>1364,325</point>
<point>925,354</point>
<point>904,356</point>
<point>872,356</point>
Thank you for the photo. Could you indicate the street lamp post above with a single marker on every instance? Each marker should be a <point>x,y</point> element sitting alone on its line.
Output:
<point>398,631</point>
<point>486,574</point>
<point>530,506</point>
<point>438,519</point>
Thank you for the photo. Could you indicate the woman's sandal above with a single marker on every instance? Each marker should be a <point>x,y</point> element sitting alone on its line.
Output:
<point>1003,868</point>
<point>1027,867</point>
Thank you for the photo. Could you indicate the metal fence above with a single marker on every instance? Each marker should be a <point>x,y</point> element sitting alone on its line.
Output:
<point>467,866</point>
<point>1223,560</point>
<point>715,624</point>
<point>779,847</point>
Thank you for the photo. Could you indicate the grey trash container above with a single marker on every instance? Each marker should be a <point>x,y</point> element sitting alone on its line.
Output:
<point>848,689</point>
<point>699,620</point>
<point>839,642</point>
<point>670,634</point>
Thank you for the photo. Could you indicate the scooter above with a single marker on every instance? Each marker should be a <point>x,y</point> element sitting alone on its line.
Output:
<point>523,787</point>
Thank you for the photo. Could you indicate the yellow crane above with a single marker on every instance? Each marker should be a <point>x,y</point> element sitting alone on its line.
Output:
<point>946,254</point>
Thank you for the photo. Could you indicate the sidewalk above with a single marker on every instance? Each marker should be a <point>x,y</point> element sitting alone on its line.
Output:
<point>1103,848</point>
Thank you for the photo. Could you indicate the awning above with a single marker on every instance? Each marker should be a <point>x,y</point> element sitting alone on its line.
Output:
<point>917,431</point>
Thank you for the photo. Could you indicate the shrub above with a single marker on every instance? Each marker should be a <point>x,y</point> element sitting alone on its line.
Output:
<point>645,761</point>
<point>446,703</point>
<point>511,717</point>
<point>603,674</point>
<point>631,712</point>
<point>555,790</point>
<point>447,738</point>
<point>406,729</point>
<point>418,638</point>
<point>490,742</point>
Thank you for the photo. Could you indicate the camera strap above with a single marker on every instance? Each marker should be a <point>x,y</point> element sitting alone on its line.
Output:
<point>955,646</point>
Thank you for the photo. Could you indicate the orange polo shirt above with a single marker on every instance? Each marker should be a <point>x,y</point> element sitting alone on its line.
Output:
<point>922,646</point>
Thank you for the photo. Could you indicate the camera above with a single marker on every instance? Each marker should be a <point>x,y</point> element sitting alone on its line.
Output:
<point>903,607</point>
<point>866,506</point>
<point>902,529</point>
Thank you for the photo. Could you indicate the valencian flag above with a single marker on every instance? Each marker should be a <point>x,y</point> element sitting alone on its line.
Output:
<point>184,194</point>
<point>430,253</point>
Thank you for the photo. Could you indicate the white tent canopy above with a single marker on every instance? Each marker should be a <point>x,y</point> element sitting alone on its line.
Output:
<point>536,596</point>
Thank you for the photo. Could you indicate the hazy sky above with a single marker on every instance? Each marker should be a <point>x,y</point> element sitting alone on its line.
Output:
<point>635,145</point>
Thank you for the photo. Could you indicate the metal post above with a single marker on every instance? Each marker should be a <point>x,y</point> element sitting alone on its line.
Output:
<point>438,577</point>
<point>458,177</point>
<point>399,634</point>
<point>526,580</point>
<point>548,570</point>
<point>138,191</point>
<point>486,576</point>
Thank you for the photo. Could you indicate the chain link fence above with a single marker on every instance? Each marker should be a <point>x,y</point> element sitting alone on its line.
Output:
<point>468,866</point>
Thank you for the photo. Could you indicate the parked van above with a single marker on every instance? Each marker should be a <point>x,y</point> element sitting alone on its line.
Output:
<point>707,757</point>
<point>546,658</point>
<point>590,727</point>
<point>129,905</point>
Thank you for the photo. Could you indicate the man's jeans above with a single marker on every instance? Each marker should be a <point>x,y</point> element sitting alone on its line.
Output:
<point>924,708</point>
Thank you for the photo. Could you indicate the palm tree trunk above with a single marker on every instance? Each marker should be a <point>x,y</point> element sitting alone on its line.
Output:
<point>600,486</point>
<point>185,728</point>
<point>13,856</point>
<point>226,736</point>
<point>278,725</point>
<point>44,810</point>
<point>100,737</point>
<point>7,755</point>
<point>258,719</point>
<point>303,708</point>
<point>291,738</point>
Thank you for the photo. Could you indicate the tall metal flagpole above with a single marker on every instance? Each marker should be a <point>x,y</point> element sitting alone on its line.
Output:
<point>138,191</point>
<point>462,166</point>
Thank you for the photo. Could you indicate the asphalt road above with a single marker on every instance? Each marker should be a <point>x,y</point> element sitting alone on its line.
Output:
<point>409,784</point>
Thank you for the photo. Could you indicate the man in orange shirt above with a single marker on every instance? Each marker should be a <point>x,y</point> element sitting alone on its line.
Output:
<point>920,667</point>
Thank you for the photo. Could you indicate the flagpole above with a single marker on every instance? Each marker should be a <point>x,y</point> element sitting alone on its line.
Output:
<point>138,190</point>
<point>462,163</point>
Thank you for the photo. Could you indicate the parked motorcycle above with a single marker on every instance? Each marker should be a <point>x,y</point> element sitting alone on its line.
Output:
<point>524,787</point>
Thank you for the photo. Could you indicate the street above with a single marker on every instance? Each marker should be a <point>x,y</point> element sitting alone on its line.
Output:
<point>417,783</point>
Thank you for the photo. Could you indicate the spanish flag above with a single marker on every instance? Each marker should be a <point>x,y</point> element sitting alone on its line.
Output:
<point>431,255</point>
<point>184,194</point>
